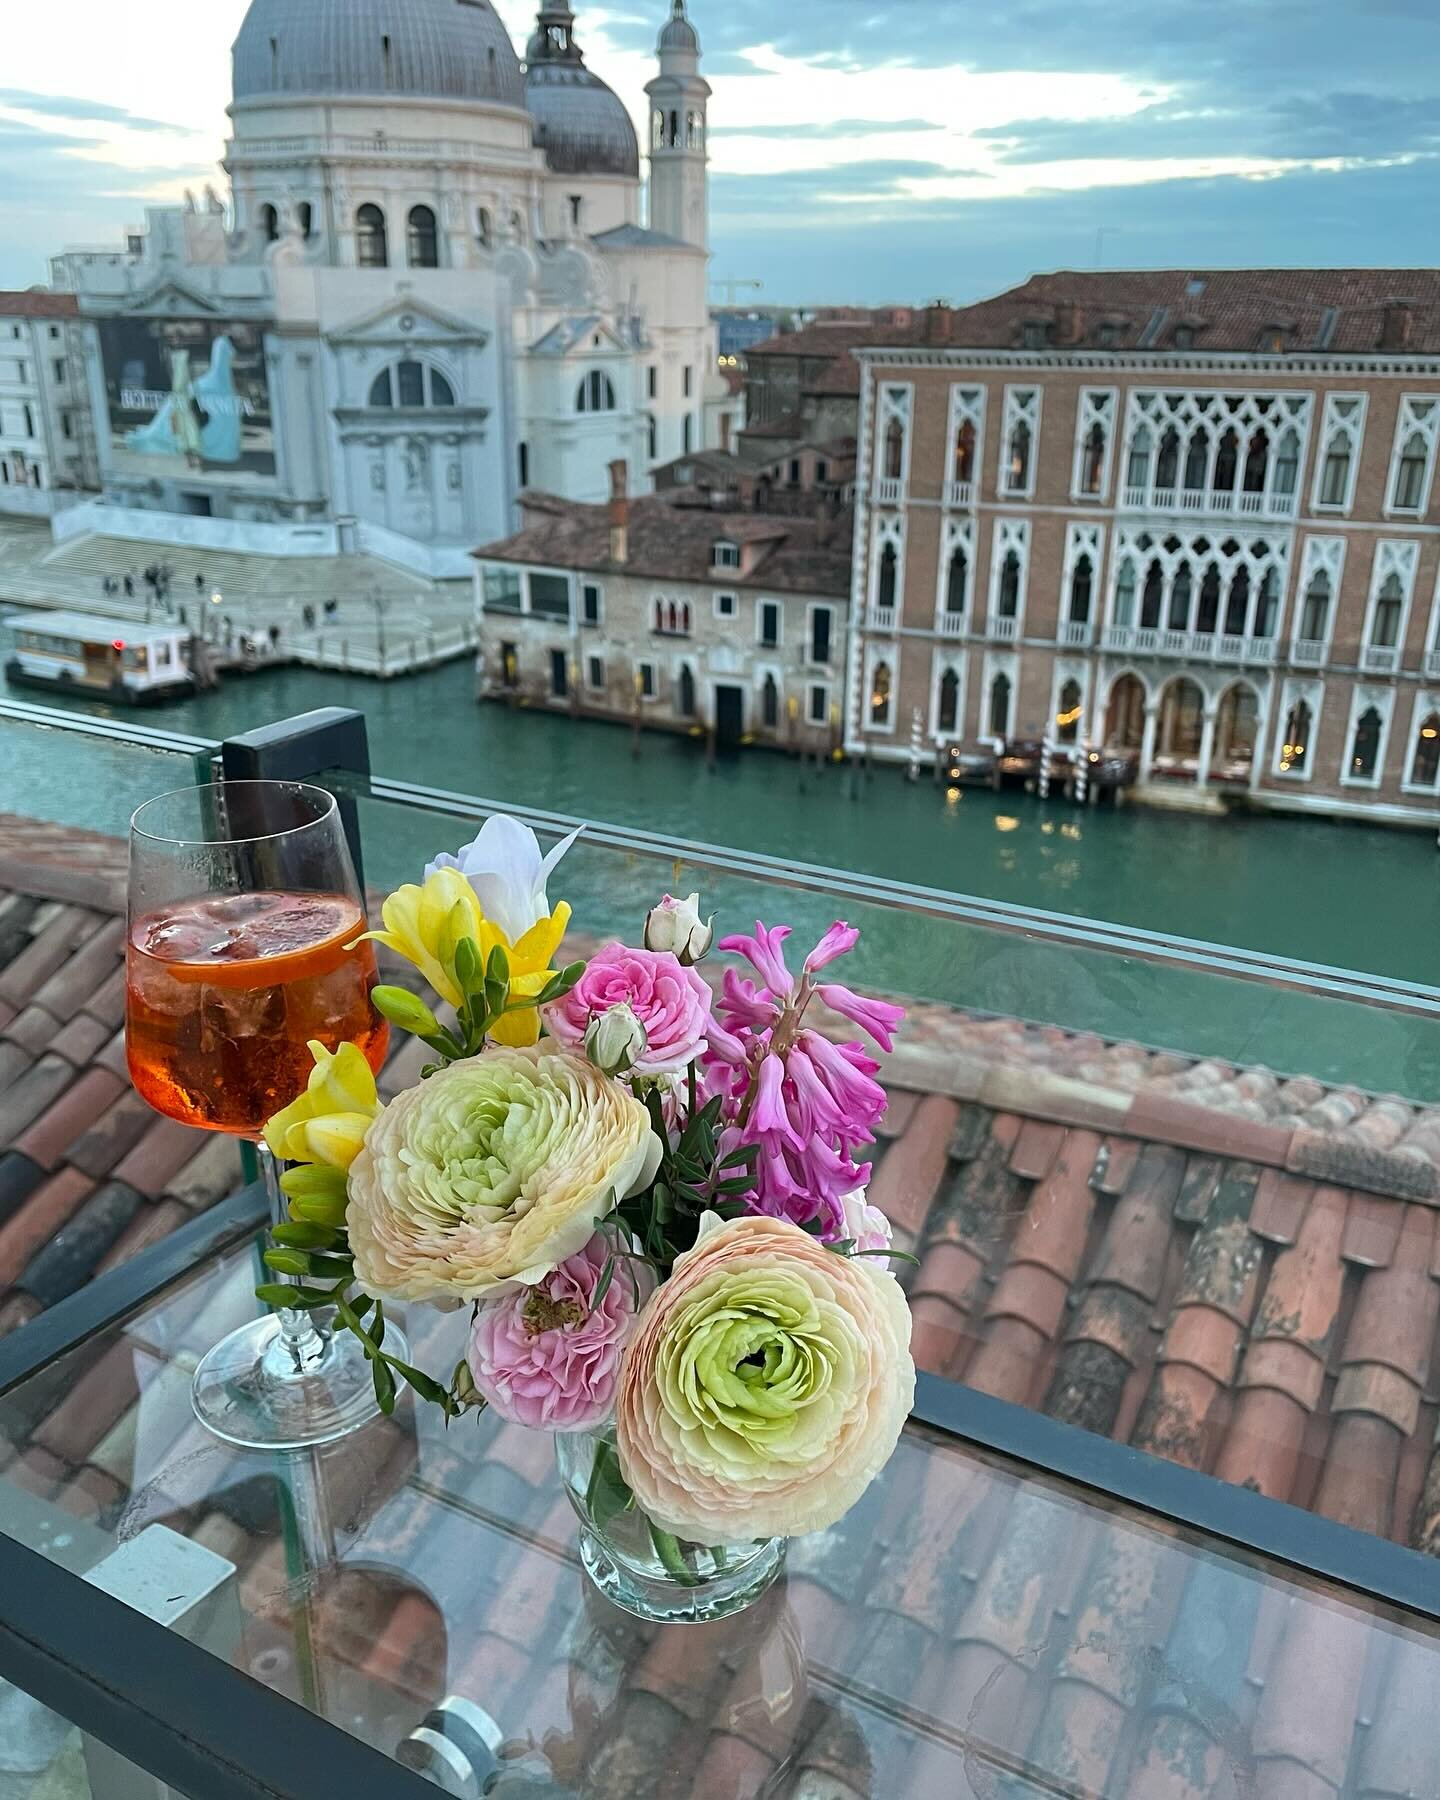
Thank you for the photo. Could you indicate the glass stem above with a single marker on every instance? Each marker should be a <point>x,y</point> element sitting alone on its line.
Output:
<point>303,1338</point>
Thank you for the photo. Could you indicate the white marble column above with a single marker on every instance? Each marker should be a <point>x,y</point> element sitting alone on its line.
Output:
<point>1207,749</point>
<point>1147,742</point>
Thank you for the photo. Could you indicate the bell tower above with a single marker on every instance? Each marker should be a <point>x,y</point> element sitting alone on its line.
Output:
<point>679,197</point>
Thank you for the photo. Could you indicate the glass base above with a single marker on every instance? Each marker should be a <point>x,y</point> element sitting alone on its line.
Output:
<point>258,1390</point>
<point>669,1601</point>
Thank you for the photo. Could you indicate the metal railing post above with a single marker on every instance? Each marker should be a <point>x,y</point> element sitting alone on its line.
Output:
<point>330,737</point>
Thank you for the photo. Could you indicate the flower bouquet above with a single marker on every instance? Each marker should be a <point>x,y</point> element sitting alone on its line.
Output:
<point>649,1198</point>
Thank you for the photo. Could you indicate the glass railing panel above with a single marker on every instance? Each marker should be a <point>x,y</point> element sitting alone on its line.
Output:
<point>973,1626</point>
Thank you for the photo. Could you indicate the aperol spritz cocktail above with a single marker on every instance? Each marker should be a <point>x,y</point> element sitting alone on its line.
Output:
<point>244,920</point>
<point>226,993</point>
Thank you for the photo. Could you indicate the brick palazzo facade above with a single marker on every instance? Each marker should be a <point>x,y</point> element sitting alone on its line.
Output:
<point>1188,517</point>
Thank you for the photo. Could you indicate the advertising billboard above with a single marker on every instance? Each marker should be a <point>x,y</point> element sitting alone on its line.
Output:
<point>187,397</point>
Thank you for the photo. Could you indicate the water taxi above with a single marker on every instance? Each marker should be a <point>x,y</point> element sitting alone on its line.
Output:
<point>114,659</point>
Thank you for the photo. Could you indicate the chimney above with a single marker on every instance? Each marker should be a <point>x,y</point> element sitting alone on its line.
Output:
<point>619,512</point>
<point>937,324</point>
<point>1396,328</point>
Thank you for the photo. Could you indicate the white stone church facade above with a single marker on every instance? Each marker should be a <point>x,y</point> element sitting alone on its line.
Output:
<point>435,284</point>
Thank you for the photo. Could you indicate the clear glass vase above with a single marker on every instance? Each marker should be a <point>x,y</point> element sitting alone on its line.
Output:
<point>638,1566</point>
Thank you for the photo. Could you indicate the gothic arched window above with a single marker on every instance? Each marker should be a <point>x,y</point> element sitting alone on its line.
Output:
<point>269,223</point>
<point>596,393</point>
<point>889,577</point>
<point>422,242</point>
<point>947,714</point>
<point>957,583</point>
<point>1295,750</point>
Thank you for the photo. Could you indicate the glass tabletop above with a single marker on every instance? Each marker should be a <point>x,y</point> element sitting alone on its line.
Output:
<point>973,1628</point>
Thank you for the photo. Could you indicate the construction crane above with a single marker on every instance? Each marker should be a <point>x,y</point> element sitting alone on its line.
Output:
<point>731,288</point>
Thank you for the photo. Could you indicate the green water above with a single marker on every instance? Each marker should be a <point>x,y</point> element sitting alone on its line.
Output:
<point>1347,895</point>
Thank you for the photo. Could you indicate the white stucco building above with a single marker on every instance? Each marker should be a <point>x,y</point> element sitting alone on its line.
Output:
<point>433,285</point>
<point>47,452</point>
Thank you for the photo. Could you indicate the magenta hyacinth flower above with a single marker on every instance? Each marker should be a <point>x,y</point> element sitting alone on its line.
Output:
<point>807,1105</point>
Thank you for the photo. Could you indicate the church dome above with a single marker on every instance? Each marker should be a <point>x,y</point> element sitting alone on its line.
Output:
<point>678,33</point>
<point>420,49</point>
<point>581,124</point>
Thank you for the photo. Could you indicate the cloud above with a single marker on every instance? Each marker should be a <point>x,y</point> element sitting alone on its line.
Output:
<point>60,106</point>
<point>830,189</point>
<point>834,128</point>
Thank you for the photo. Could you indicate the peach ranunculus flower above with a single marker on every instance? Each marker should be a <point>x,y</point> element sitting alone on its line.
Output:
<point>491,1173</point>
<point>766,1385</point>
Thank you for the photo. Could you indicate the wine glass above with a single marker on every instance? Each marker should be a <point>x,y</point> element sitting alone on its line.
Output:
<point>243,915</point>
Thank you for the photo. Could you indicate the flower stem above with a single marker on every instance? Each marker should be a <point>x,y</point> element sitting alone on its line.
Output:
<point>667,1548</point>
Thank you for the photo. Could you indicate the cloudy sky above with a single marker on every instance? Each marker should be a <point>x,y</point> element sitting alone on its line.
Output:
<point>863,150</point>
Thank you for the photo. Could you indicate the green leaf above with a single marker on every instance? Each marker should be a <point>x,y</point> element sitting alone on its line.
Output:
<point>607,1494</point>
<point>738,1184</point>
<point>900,1255</point>
<point>305,1236</point>
<point>602,1286</point>
<point>281,1293</point>
<point>731,1209</point>
<point>424,1385</point>
<point>743,1153</point>
<point>384,1384</point>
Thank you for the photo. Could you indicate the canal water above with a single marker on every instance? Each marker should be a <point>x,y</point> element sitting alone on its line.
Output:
<point>1347,895</point>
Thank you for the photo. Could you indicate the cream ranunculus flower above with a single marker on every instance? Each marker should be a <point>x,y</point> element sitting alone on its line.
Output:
<point>765,1386</point>
<point>491,1173</point>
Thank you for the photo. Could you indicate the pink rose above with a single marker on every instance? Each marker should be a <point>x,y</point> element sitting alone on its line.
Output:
<point>547,1356</point>
<point>670,1001</point>
<point>866,1224</point>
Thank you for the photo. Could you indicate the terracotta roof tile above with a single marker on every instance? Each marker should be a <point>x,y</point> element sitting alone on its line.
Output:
<point>1395,1318</point>
<point>1036,1149</point>
<point>160,1155</point>
<point>906,1181</point>
<point>1372,1228</point>
<point>24,1100</point>
<point>37,303</point>
<point>33,1029</point>
<point>38,1220</point>
<point>49,1137</point>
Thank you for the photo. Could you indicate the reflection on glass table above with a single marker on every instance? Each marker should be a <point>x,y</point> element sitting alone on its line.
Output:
<point>972,1629</point>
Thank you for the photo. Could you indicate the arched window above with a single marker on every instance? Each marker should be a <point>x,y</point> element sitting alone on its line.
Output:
<point>1209,614</point>
<point>1287,466</point>
<point>880,695</point>
<point>1385,632</point>
<point>1237,727</point>
<point>305,214</point>
<point>1227,463</point>
<point>1197,454</point>
<point>371,248</point>
<point>411,383</point>
<point>1365,750</point>
<point>770,702</point>
<point>1267,606</point>
<point>1150,600</point>
<point>1167,464</point>
<point>652,436</point>
<point>1092,466</point>
<point>957,583</point>
<point>1180,590</point>
<point>1125,593</point>
<point>889,577</point>
<point>894,450</point>
<point>484,228</point>
<point>965,452</point>
<point>1082,583</point>
<point>1125,715</point>
<point>1017,474</point>
<point>1425,761</point>
<point>1257,463</point>
<point>657,130</point>
<point>269,223</point>
<point>1067,716</point>
<point>1295,751</point>
<point>1237,608</point>
<point>1335,471</point>
<point>1410,475</point>
<point>1137,473</point>
<point>694,131</point>
<point>1010,585</point>
<point>1000,706</point>
<point>672,617</point>
<point>947,713</point>
<point>1315,612</point>
<point>686,697</point>
<point>596,393</point>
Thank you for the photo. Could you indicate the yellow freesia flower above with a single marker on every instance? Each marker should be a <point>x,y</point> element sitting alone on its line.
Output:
<point>531,966</point>
<point>327,1124</point>
<point>424,924</point>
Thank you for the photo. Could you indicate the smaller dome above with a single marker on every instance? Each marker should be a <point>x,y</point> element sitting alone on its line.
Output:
<point>581,124</point>
<point>679,33</point>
